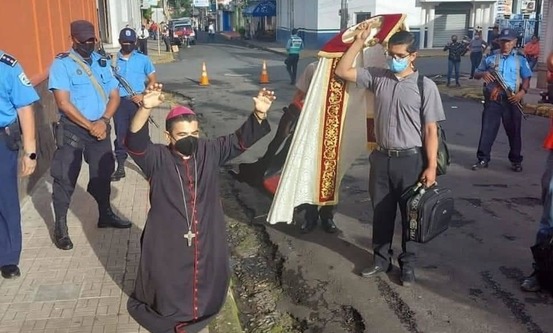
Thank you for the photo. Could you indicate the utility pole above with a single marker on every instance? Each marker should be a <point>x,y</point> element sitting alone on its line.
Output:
<point>538,13</point>
<point>344,16</point>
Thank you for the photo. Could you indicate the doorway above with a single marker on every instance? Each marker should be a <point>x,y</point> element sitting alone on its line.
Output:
<point>103,20</point>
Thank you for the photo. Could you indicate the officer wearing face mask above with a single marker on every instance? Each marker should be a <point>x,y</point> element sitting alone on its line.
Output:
<point>135,68</point>
<point>87,96</point>
<point>406,133</point>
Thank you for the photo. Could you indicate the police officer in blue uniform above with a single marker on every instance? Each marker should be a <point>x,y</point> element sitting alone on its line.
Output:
<point>16,113</point>
<point>516,73</point>
<point>87,95</point>
<point>135,68</point>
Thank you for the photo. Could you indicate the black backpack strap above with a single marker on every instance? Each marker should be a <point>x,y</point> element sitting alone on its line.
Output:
<point>420,84</point>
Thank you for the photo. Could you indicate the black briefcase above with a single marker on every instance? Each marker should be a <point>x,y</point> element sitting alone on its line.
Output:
<point>543,258</point>
<point>429,211</point>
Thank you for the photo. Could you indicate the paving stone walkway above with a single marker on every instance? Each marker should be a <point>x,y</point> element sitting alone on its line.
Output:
<point>85,289</point>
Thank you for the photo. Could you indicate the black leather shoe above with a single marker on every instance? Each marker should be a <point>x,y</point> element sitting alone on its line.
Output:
<point>109,220</point>
<point>308,226</point>
<point>119,173</point>
<point>329,226</point>
<point>375,270</point>
<point>407,277</point>
<point>61,235</point>
<point>480,165</point>
<point>10,271</point>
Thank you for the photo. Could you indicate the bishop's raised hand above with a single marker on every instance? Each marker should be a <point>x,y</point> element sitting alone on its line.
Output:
<point>153,97</point>
<point>264,100</point>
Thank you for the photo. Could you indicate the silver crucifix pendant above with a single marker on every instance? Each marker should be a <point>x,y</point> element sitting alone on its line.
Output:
<point>190,236</point>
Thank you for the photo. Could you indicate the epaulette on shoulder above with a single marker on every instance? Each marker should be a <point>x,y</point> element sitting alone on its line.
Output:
<point>62,55</point>
<point>8,60</point>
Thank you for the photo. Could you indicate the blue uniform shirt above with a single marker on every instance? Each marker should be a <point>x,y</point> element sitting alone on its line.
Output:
<point>507,67</point>
<point>16,91</point>
<point>135,70</point>
<point>67,75</point>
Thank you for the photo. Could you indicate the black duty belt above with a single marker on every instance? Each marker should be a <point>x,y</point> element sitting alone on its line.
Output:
<point>399,152</point>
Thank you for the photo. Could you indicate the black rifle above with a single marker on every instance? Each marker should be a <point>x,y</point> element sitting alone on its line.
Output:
<point>507,90</point>
<point>103,61</point>
<point>125,84</point>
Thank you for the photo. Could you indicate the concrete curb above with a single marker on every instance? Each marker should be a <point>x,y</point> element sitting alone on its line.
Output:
<point>309,52</point>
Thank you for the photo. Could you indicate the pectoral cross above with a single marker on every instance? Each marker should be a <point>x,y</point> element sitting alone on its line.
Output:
<point>190,236</point>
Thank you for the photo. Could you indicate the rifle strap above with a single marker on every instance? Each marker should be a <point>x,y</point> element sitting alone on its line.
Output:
<point>90,75</point>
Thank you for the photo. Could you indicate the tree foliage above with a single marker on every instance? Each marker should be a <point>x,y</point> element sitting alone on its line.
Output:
<point>181,7</point>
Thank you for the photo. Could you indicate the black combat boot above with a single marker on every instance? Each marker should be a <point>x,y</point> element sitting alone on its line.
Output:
<point>108,219</point>
<point>119,173</point>
<point>61,235</point>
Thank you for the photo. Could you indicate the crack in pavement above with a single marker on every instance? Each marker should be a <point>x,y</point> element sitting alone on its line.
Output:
<point>516,307</point>
<point>401,309</point>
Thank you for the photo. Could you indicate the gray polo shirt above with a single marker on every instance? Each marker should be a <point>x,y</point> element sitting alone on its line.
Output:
<point>397,114</point>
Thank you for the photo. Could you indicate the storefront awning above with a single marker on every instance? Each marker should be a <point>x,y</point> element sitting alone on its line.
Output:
<point>264,8</point>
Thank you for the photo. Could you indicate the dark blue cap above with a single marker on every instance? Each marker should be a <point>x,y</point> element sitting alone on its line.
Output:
<point>507,34</point>
<point>127,35</point>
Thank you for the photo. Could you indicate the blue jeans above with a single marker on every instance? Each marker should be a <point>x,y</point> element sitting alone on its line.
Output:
<point>451,65</point>
<point>546,223</point>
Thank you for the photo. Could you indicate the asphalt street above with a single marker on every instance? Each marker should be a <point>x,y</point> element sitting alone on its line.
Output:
<point>467,279</point>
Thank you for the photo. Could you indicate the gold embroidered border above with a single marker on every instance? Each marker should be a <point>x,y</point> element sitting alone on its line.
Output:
<point>334,107</point>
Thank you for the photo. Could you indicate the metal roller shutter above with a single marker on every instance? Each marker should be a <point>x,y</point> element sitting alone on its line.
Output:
<point>447,23</point>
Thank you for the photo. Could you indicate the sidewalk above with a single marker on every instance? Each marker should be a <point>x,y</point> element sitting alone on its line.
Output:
<point>85,289</point>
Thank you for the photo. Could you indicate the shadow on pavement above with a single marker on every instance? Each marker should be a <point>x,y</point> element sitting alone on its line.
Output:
<point>114,251</point>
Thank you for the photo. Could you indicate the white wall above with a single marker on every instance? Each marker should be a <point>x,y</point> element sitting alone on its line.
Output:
<point>360,6</point>
<point>283,17</point>
<point>305,14</point>
<point>329,18</point>
<point>121,13</point>
<point>407,7</point>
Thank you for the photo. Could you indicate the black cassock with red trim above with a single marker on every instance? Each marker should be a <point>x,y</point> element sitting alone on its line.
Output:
<point>179,288</point>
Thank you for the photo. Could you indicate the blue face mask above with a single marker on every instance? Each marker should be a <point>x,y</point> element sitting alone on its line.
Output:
<point>398,65</point>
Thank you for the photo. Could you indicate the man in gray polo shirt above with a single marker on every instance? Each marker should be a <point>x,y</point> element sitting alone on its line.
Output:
<point>407,146</point>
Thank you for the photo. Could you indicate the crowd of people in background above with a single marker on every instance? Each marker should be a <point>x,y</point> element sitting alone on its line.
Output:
<point>477,47</point>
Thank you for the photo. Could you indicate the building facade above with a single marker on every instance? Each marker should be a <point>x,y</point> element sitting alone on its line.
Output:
<point>114,15</point>
<point>35,45</point>
<point>431,21</point>
<point>546,44</point>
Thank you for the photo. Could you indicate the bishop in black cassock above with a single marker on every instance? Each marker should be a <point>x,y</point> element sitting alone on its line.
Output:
<point>184,270</point>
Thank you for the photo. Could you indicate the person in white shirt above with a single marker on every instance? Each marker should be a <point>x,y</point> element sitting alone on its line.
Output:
<point>211,31</point>
<point>143,35</point>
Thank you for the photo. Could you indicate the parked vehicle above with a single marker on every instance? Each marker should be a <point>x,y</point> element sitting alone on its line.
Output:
<point>182,33</point>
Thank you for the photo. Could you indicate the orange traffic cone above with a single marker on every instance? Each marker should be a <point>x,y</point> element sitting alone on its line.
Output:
<point>204,80</point>
<point>264,78</point>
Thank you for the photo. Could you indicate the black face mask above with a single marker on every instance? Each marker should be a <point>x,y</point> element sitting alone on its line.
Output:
<point>85,49</point>
<point>454,40</point>
<point>187,145</point>
<point>127,48</point>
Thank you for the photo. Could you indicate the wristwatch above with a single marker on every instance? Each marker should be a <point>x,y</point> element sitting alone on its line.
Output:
<point>106,120</point>
<point>31,156</point>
